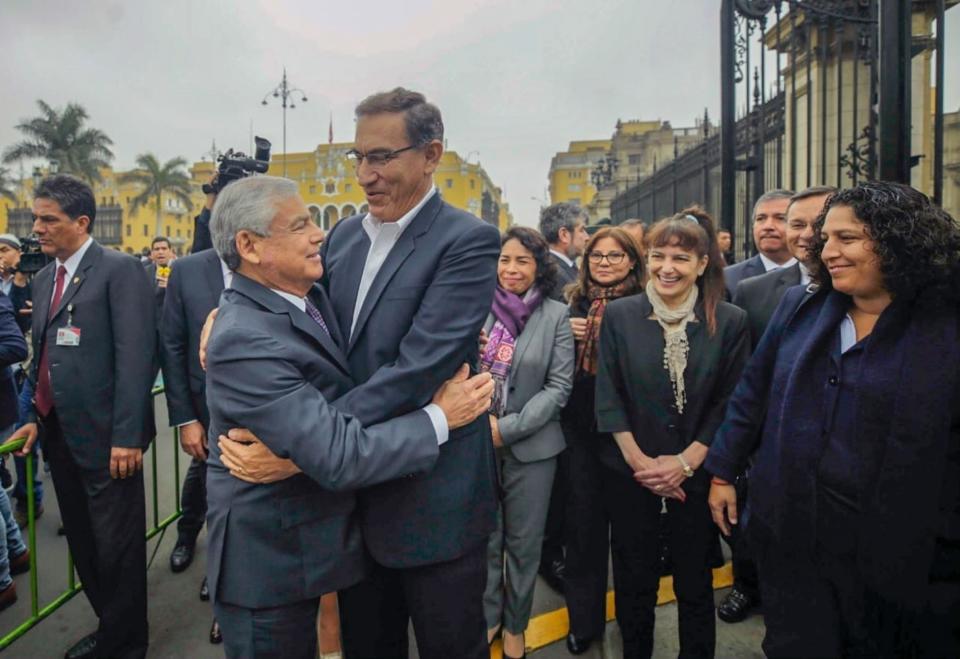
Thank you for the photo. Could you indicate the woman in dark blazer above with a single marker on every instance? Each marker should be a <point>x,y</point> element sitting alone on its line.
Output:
<point>669,360</point>
<point>850,408</point>
<point>530,356</point>
<point>612,269</point>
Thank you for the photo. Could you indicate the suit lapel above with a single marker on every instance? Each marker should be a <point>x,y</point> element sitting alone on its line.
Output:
<point>214,275</point>
<point>90,259</point>
<point>401,250</point>
<point>306,324</point>
<point>355,254</point>
<point>788,277</point>
<point>526,336</point>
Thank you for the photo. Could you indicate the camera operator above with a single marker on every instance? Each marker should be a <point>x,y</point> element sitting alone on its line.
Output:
<point>14,283</point>
<point>201,223</point>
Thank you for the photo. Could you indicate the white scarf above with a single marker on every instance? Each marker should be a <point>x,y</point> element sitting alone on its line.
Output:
<point>675,344</point>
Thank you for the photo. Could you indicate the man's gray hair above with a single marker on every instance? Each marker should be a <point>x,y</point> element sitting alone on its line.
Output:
<point>771,195</point>
<point>248,204</point>
<point>421,118</point>
<point>560,216</point>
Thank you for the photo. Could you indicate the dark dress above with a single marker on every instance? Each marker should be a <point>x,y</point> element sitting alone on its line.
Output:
<point>634,395</point>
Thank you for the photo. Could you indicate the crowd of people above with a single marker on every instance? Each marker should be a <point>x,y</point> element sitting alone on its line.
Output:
<point>403,421</point>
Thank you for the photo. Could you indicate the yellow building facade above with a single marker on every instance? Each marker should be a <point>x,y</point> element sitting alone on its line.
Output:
<point>325,177</point>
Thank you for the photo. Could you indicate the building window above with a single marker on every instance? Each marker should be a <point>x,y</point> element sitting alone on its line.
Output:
<point>634,159</point>
<point>330,188</point>
<point>473,184</point>
<point>145,229</point>
<point>449,183</point>
<point>128,200</point>
<point>178,233</point>
<point>129,230</point>
<point>313,189</point>
<point>348,187</point>
<point>573,187</point>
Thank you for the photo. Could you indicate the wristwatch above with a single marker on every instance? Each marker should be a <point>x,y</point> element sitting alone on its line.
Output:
<point>687,470</point>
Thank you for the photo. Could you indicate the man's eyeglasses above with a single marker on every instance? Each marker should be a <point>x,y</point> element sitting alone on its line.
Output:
<point>377,158</point>
<point>613,258</point>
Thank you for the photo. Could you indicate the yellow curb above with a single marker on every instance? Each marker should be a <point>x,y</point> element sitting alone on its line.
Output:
<point>552,626</point>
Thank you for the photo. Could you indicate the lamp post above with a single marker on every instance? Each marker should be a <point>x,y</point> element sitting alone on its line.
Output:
<point>284,92</point>
<point>606,168</point>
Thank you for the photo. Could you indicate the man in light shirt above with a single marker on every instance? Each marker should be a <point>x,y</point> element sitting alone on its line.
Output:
<point>769,236</point>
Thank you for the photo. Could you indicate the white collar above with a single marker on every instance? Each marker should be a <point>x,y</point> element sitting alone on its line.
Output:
<point>73,261</point>
<point>563,257</point>
<point>372,225</point>
<point>770,264</point>
<point>804,273</point>
<point>296,301</point>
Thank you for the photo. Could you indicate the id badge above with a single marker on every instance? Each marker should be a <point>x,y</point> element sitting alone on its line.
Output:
<point>68,336</point>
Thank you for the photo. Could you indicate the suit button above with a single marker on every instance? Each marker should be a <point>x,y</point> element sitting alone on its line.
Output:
<point>833,380</point>
<point>671,427</point>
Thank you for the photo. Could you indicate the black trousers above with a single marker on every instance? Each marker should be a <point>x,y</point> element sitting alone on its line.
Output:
<point>280,632</point>
<point>444,601</point>
<point>745,576</point>
<point>104,519</point>
<point>817,605</point>
<point>193,503</point>
<point>552,548</point>
<point>587,538</point>
<point>634,522</point>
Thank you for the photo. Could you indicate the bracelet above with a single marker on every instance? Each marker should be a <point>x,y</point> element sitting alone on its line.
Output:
<point>687,471</point>
<point>716,480</point>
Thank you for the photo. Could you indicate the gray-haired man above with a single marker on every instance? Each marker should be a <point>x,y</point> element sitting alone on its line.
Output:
<point>273,362</point>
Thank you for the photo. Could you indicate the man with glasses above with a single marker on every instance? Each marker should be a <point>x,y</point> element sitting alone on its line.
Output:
<point>411,283</point>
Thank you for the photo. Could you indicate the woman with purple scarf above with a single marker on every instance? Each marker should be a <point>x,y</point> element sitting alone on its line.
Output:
<point>530,356</point>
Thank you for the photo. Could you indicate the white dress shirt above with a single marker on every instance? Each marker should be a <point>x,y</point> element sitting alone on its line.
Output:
<point>383,236</point>
<point>804,274</point>
<point>770,264</point>
<point>227,274</point>
<point>563,257</point>
<point>71,265</point>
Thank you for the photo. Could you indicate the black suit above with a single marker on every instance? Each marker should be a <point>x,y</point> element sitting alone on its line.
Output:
<point>568,275</point>
<point>194,289</point>
<point>427,533</point>
<point>101,399</point>
<point>759,297</point>
<point>158,292</point>
<point>734,274</point>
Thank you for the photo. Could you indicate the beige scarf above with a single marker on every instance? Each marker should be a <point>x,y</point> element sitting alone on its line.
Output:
<point>675,345</point>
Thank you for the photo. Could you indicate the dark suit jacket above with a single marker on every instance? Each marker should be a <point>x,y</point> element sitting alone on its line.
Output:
<point>194,288</point>
<point>19,296</point>
<point>270,368</point>
<point>159,293</point>
<point>568,275</point>
<point>418,324</point>
<point>907,426</point>
<point>734,274</point>
<point>634,391</point>
<point>101,388</point>
<point>759,297</point>
<point>13,349</point>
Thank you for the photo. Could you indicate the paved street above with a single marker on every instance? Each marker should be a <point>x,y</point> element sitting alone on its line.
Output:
<point>179,621</point>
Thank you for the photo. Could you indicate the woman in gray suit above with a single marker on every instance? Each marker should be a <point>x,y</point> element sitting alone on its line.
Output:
<point>530,355</point>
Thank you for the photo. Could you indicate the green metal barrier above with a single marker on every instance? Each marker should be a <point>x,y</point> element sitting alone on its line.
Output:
<point>73,586</point>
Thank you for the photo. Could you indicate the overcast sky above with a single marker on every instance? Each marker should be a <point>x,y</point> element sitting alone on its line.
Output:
<point>516,80</point>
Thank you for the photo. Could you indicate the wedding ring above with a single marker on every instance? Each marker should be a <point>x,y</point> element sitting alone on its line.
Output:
<point>658,487</point>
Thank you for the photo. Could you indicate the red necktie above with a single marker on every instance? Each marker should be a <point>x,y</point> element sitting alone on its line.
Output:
<point>44,394</point>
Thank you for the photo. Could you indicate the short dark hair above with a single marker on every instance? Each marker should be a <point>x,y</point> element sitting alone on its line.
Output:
<point>74,196</point>
<point>532,241</point>
<point>421,118</point>
<point>161,239</point>
<point>813,191</point>
<point>771,195</point>
<point>634,222</point>
<point>722,230</point>
<point>916,241</point>
<point>563,215</point>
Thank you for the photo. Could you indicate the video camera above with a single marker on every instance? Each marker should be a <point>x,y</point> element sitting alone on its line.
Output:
<point>235,165</point>
<point>32,258</point>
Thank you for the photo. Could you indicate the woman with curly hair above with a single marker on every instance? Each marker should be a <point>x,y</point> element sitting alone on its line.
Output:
<point>530,356</point>
<point>850,409</point>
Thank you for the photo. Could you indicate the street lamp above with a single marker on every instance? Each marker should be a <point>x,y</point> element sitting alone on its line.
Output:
<point>284,92</point>
<point>602,175</point>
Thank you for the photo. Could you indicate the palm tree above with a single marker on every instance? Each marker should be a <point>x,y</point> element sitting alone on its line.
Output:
<point>157,180</point>
<point>61,136</point>
<point>7,185</point>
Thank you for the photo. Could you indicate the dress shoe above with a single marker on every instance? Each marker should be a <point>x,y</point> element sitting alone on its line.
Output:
<point>552,573</point>
<point>8,596</point>
<point>735,606</point>
<point>20,564</point>
<point>85,648</point>
<point>215,636</point>
<point>204,591</point>
<point>181,557</point>
<point>20,515</point>
<point>578,645</point>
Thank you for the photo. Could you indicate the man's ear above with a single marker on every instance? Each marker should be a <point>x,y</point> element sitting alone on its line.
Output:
<point>83,222</point>
<point>248,246</point>
<point>432,152</point>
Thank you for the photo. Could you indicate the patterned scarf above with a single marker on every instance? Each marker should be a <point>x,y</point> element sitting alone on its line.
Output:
<point>511,313</point>
<point>675,345</point>
<point>599,297</point>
